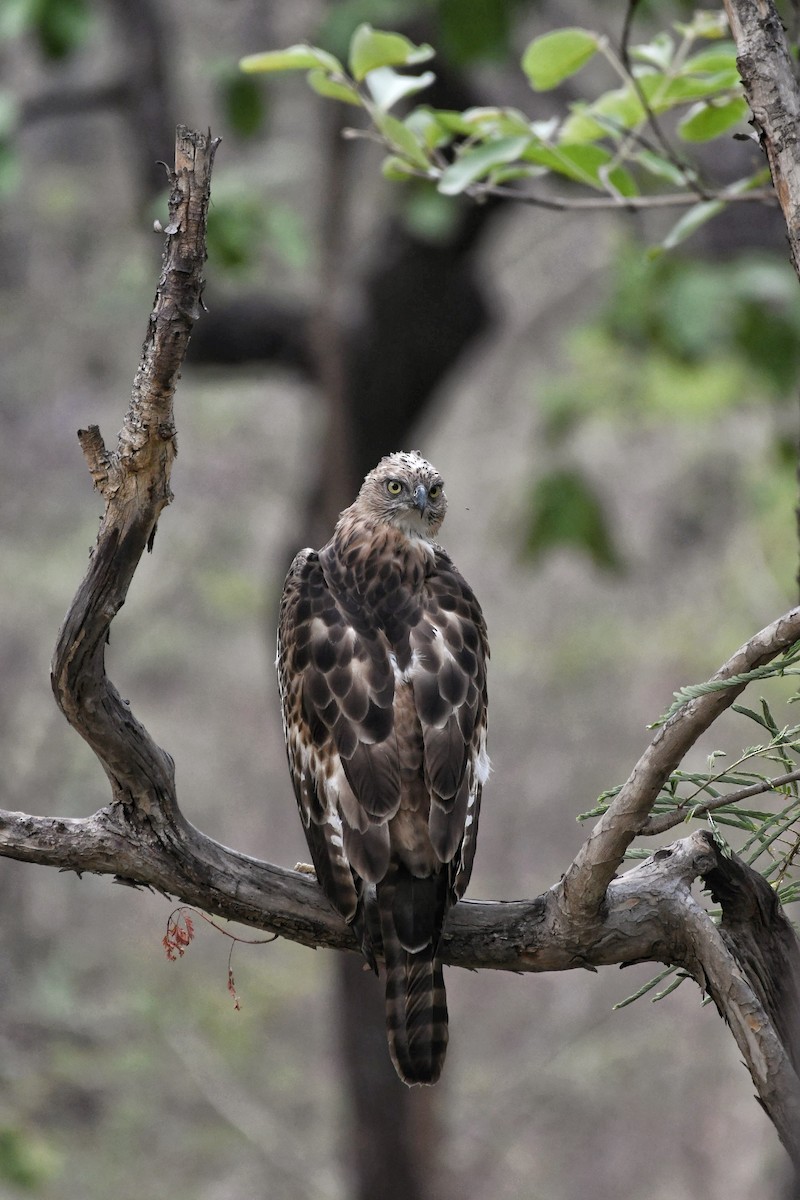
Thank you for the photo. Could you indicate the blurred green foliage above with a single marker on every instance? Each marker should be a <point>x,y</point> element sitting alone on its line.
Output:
<point>566,511</point>
<point>681,339</point>
<point>242,102</point>
<point>26,1160</point>
<point>242,226</point>
<point>10,171</point>
<point>475,30</point>
<point>59,26</point>
<point>677,340</point>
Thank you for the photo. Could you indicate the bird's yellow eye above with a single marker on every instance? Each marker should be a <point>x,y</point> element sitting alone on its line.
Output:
<point>435,491</point>
<point>394,487</point>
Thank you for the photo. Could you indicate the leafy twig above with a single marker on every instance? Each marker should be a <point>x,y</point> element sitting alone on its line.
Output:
<point>664,821</point>
<point>180,933</point>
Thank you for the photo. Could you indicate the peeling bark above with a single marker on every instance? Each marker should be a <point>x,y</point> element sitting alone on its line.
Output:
<point>770,85</point>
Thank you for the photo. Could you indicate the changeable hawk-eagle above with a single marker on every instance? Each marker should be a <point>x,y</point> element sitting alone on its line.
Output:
<point>382,669</point>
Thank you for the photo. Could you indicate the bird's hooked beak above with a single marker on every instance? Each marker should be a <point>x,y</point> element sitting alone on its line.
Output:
<point>420,498</point>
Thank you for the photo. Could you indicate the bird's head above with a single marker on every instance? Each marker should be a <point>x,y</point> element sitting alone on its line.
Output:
<point>406,492</point>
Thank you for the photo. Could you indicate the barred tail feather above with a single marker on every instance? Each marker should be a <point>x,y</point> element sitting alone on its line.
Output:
<point>416,1004</point>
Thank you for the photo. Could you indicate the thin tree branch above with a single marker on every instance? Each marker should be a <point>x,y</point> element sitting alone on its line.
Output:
<point>598,859</point>
<point>604,203</point>
<point>623,204</point>
<point>652,120</point>
<point>686,810</point>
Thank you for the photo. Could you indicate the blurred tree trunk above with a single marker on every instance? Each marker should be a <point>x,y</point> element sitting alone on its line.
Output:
<point>394,1132</point>
<point>139,89</point>
<point>422,305</point>
<point>147,104</point>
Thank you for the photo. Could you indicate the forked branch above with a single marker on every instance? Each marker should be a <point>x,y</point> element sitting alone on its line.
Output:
<point>133,480</point>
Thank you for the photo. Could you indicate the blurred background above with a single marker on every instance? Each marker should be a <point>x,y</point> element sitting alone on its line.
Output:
<point>617,437</point>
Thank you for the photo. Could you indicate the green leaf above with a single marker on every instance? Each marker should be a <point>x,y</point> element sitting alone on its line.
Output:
<point>516,171</point>
<point>717,58</point>
<point>424,123</point>
<point>397,169</point>
<point>581,127</point>
<point>497,122</point>
<point>583,164</point>
<point>657,53</point>
<point>294,58</point>
<point>401,139</point>
<point>477,162</point>
<point>371,48</point>
<point>565,511</point>
<point>661,168</point>
<point>688,224</point>
<point>335,88</point>
<point>707,121</point>
<point>692,87</point>
<point>387,87</point>
<point>340,20</point>
<point>704,24</point>
<point>613,112</point>
<point>453,121</point>
<point>550,59</point>
<point>622,181</point>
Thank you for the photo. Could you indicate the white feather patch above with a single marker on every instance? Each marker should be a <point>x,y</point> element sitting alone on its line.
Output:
<point>408,674</point>
<point>481,764</point>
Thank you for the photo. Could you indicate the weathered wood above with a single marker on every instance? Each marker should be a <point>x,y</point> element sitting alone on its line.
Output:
<point>642,921</point>
<point>751,967</point>
<point>761,938</point>
<point>768,73</point>
<point>134,482</point>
